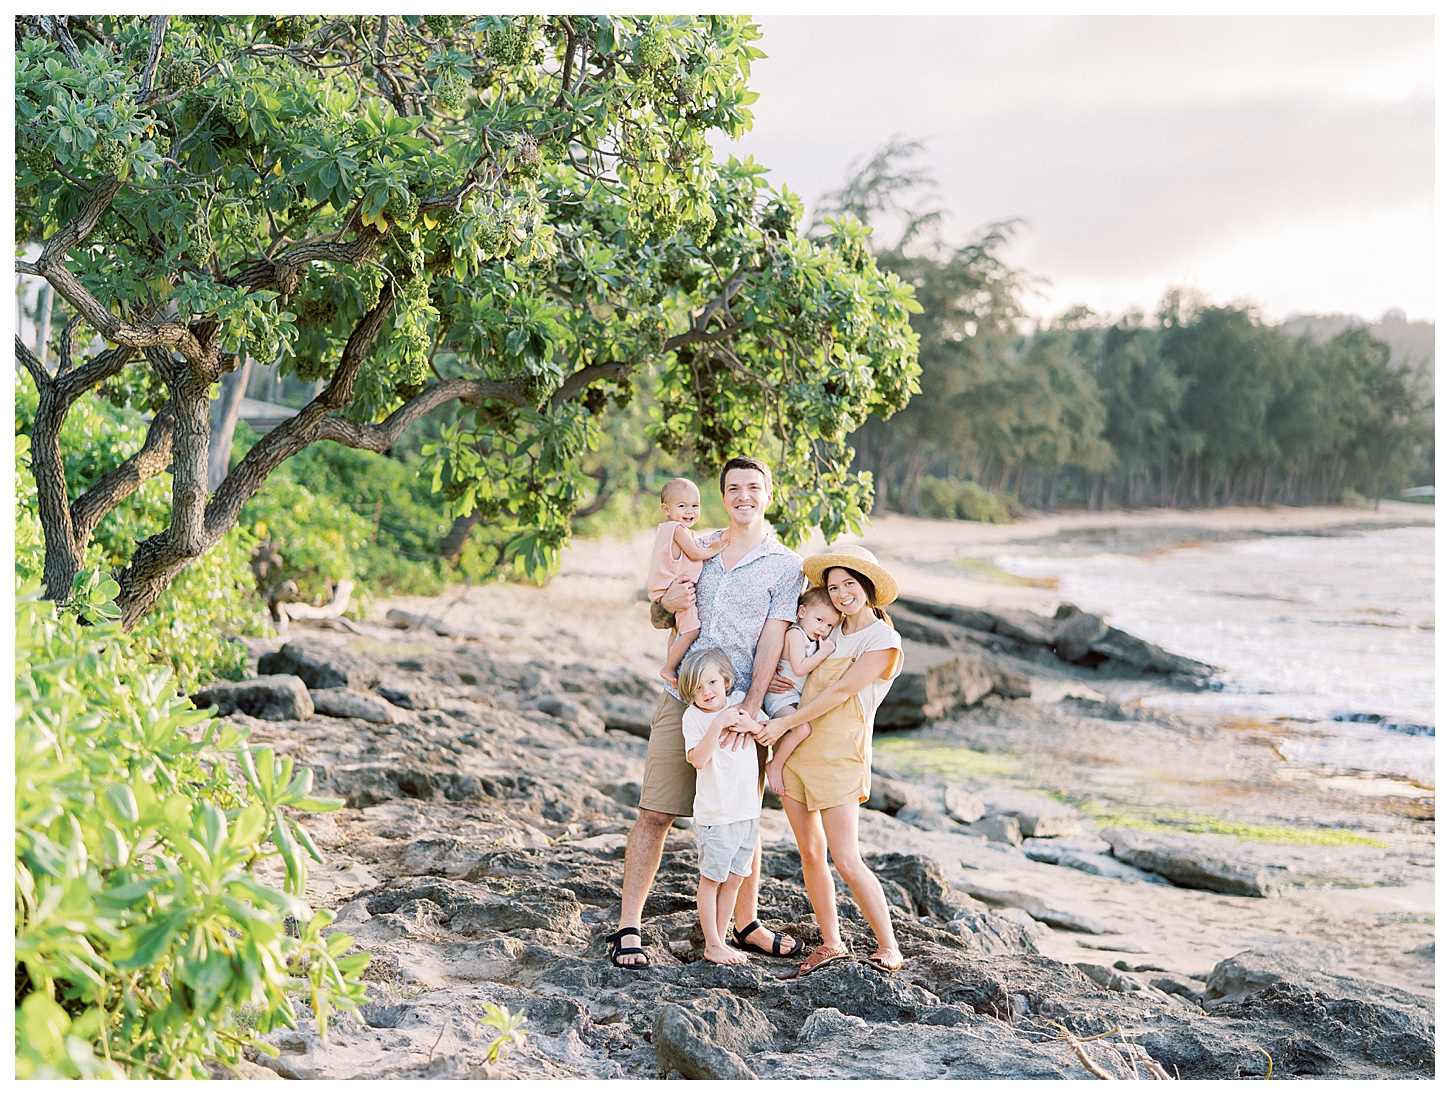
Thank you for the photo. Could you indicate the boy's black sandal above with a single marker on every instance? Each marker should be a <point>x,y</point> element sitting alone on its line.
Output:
<point>616,950</point>
<point>775,944</point>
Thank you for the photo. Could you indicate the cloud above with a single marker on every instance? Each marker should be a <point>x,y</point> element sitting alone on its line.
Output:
<point>1137,149</point>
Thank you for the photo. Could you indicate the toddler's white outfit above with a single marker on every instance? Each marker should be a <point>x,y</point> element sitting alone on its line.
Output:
<point>727,799</point>
<point>774,701</point>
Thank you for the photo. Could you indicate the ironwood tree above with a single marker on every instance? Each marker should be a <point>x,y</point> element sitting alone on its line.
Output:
<point>517,213</point>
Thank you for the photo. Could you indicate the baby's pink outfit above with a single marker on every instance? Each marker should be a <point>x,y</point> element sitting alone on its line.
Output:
<point>669,563</point>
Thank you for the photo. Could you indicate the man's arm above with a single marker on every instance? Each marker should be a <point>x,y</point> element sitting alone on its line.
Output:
<point>680,596</point>
<point>767,657</point>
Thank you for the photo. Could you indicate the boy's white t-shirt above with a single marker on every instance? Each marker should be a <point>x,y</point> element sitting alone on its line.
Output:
<point>727,789</point>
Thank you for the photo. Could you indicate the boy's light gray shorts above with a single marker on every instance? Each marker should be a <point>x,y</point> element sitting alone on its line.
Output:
<point>774,701</point>
<point>727,849</point>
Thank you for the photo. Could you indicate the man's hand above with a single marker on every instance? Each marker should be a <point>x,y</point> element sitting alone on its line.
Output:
<point>679,597</point>
<point>780,684</point>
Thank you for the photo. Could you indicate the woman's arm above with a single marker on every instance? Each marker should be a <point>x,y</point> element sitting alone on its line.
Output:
<point>805,665</point>
<point>686,542</point>
<point>868,667</point>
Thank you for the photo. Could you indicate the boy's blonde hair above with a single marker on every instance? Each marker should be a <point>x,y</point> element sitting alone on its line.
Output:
<point>694,667</point>
<point>817,597</point>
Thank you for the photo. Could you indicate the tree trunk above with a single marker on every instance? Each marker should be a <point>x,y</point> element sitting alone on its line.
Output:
<point>225,410</point>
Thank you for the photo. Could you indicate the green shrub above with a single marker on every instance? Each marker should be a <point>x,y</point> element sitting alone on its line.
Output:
<point>141,928</point>
<point>966,501</point>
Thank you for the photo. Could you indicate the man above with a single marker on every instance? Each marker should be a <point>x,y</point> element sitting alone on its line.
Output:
<point>746,597</point>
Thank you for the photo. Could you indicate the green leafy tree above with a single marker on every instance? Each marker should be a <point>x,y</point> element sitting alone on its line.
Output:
<point>518,213</point>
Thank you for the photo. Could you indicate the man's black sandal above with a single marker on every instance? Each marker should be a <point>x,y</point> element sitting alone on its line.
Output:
<point>775,944</point>
<point>616,950</point>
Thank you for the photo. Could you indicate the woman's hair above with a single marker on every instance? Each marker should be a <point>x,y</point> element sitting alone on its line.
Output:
<point>866,584</point>
<point>818,597</point>
<point>696,664</point>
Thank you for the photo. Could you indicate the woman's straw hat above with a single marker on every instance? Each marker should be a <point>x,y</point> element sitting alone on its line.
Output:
<point>853,557</point>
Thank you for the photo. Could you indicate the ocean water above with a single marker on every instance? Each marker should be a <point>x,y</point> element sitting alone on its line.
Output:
<point>1337,631</point>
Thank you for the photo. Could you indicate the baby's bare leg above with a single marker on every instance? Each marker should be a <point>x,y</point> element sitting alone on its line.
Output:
<point>677,654</point>
<point>783,749</point>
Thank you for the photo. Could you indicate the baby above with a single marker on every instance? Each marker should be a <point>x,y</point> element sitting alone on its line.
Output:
<point>677,554</point>
<point>806,647</point>
<point>727,794</point>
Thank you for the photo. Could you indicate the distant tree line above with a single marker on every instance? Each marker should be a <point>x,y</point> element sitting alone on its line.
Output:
<point>1196,405</point>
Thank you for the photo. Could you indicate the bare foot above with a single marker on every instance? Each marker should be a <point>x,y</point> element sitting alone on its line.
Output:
<point>723,955</point>
<point>887,959</point>
<point>774,777</point>
<point>669,678</point>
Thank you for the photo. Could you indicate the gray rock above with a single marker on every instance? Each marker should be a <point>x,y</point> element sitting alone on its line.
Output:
<point>890,796</point>
<point>1076,632</point>
<point>631,716</point>
<point>1001,828</point>
<point>1096,973</point>
<point>1176,985</point>
<point>1025,627</point>
<point>1039,908</point>
<point>962,805</point>
<point>411,695</point>
<point>1037,815</point>
<point>1012,686</point>
<point>1134,653</point>
<point>1095,863</point>
<point>925,816</point>
<point>343,703</point>
<point>557,911</point>
<point>933,681</point>
<point>321,666</point>
<point>369,784</point>
<point>571,714</point>
<point>275,698</point>
<point>682,1043</point>
<point>1186,864</point>
<point>925,883</point>
<point>828,1022</point>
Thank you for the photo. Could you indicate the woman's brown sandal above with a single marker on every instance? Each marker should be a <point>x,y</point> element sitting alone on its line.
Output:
<point>823,956</point>
<point>879,960</point>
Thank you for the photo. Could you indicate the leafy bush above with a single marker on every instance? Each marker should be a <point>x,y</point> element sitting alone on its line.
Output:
<point>141,928</point>
<point>964,500</point>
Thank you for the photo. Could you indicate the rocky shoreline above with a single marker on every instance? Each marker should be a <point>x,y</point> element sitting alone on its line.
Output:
<point>478,859</point>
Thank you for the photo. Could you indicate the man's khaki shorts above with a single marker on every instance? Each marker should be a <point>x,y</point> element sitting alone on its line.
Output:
<point>669,779</point>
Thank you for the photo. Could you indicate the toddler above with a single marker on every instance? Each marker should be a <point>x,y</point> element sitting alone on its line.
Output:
<point>727,794</point>
<point>677,554</point>
<point>806,647</point>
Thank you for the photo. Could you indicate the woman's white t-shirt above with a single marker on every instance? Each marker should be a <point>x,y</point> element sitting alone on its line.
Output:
<point>727,789</point>
<point>876,636</point>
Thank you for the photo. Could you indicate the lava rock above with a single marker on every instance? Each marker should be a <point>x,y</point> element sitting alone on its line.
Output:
<point>1001,828</point>
<point>1186,864</point>
<point>682,1044</point>
<point>1037,815</point>
<point>411,695</point>
<point>343,703</point>
<point>962,805</point>
<point>826,1022</point>
<point>275,698</point>
<point>630,715</point>
<point>321,666</point>
<point>1076,632</point>
<point>925,884</point>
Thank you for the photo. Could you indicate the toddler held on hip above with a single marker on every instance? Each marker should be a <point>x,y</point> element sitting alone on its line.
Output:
<point>677,554</point>
<point>727,794</point>
<point>806,647</point>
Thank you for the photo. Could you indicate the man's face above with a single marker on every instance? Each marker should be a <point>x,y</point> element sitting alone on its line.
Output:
<point>746,495</point>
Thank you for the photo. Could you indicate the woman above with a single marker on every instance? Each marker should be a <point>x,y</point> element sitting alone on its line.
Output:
<point>828,775</point>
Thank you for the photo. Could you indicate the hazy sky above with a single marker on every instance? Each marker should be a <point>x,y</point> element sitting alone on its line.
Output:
<point>1289,160</point>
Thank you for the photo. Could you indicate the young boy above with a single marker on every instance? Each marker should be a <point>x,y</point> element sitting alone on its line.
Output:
<point>727,794</point>
<point>677,554</point>
<point>806,646</point>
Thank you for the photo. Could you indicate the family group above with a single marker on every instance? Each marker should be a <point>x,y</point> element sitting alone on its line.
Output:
<point>774,675</point>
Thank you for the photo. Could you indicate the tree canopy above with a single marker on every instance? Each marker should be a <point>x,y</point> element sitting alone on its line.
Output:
<point>520,213</point>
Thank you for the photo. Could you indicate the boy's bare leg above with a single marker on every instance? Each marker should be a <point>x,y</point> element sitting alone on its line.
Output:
<point>641,860</point>
<point>708,901</point>
<point>725,903</point>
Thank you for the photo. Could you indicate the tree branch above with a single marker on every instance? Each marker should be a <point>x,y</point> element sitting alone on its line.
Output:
<point>43,382</point>
<point>158,36</point>
<point>150,460</point>
<point>381,437</point>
